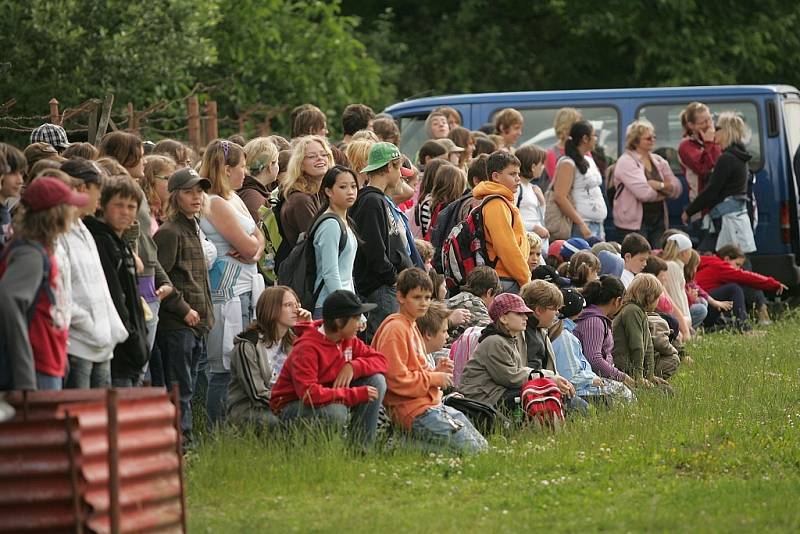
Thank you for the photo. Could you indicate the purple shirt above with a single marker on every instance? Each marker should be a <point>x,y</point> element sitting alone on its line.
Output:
<point>147,288</point>
<point>593,329</point>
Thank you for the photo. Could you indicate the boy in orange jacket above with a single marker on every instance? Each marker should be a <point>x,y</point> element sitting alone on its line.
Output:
<point>414,395</point>
<point>506,241</point>
<point>330,373</point>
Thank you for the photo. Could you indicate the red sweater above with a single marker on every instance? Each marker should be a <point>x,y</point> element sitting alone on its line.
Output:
<point>714,272</point>
<point>313,365</point>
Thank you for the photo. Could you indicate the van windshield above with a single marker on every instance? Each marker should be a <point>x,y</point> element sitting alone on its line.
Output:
<point>412,135</point>
<point>669,133</point>
<point>791,116</point>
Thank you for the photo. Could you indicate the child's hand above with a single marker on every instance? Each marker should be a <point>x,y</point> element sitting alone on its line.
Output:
<point>565,386</point>
<point>372,393</point>
<point>658,380</point>
<point>345,377</point>
<point>459,317</point>
<point>164,291</point>
<point>448,379</point>
<point>629,381</point>
<point>444,365</point>
<point>597,382</point>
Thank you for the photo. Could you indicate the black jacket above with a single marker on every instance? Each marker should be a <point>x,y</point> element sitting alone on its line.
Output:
<point>538,355</point>
<point>384,254</point>
<point>116,257</point>
<point>729,178</point>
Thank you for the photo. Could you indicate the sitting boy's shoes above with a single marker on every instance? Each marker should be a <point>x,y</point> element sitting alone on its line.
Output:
<point>763,316</point>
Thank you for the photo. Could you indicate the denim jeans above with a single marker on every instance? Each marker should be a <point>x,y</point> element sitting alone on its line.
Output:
<point>443,427</point>
<point>596,228</point>
<point>124,382</point>
<point>84,374</point>
<point>363,417</point>
<point>48,382</point>
<point>698,311</point>
<point>386,299</point>
<point>185,351</point>
<point>509,286</point>
<point>152,328</point>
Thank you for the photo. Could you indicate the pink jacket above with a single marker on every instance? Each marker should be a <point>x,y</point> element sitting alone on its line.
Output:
<point>632,189</point>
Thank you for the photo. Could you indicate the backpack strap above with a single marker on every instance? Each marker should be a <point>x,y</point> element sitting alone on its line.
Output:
<point>44,285</point>
<point>310,238</point>
<point>519,197</point>
<point>504,199</point>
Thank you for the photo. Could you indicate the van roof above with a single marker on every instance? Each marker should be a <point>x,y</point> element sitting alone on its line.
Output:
<point>422,104</point>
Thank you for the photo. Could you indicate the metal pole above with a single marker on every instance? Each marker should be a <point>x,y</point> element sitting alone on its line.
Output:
<point>113,460</point>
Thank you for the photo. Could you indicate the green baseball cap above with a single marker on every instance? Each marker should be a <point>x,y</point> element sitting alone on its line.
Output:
<point>380,155</point>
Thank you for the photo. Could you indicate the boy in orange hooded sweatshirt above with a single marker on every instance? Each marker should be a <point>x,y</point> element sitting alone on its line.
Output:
<point>414,395</point>
<point>506,242</point>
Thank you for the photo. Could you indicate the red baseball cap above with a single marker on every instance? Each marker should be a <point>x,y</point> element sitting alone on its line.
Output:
<point>505,303</point>
<point>46,192</point>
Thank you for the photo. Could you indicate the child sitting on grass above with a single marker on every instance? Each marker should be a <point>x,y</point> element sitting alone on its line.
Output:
<point>497,370</point>
<point>330,374</point>
<point>633,345</point>
<point>433,329</point>
<point>584,267</point>
<point>571,362</point>
<point>426,252</point>
<point>414,395</point>
<point>535,255</point>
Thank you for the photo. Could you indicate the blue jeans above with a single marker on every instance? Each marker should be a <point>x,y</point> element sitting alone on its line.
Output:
<point>595,227</point>
<point>185,351</point>
<point>443,427</point>
<point>698,311</point>
<point>509,286</point>
<point>48,382</point>
<point>124,382</point>
<point>84,374</point>
<point>386,299</point>
<point>363,417</point>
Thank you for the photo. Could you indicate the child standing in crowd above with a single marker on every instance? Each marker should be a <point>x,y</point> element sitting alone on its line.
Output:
<point>508,124</point>
<point>12,166</point>
<point>414,395</point>
<point>377,265</point>
<point>635,251</point>
<point>497,370</point>
<point>330,374</point>
<point>506,243</point>
<point>258,357</point>
<point>120,201</point>
<point>633,345</point>
<point>262,171</point>
<point>449,185</point>
<point>157,170</point>
<point>529,197</point>
<point>334,264</point>
<point>593,327</point>
<point>186,315</point>
<point>33,325</point>
<point>436,125</point>
<point>234,278</point>
<point>95,326</point>
<point>698,151</point>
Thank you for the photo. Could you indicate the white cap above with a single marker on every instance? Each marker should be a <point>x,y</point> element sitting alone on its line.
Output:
<point>682,240</point>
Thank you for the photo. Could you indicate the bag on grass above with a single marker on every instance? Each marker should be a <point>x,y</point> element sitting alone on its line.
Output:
<point>484,417</point>
<point>541,401</point>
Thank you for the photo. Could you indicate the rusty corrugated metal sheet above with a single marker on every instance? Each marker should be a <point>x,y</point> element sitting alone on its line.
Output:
<point>149,466</point>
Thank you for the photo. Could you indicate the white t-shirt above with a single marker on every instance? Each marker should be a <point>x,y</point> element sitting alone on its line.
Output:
<point>626,278</point>
<point>531,210</point>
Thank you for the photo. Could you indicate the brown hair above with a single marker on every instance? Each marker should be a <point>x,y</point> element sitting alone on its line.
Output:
<point>481,280</point>
<point>11,159</point>
<point>478,172</point>
<point>40,167</point>
<point>110,166</point>
<point>450,113</point>
<point>81,150</point>
<point>580,264</point>
<point>541,293</point>
<point>505,119</point>
<point>425,249</point>
<point>43,226</point>
<point>529,156</point>
<point>268,310</point>
<point>386,129</point>
<point>156,167</point>
<point>218,154</point>
<point>655,266</point>
<point>413,278</point>
<point>690,269</point>
<point>644,291</point>
<point>124,147</point>
<point>122,185</point>
<point>174,149</point>
<point>308,122</point>
<point>461,137</point>
<point>449,185</point>
<point>430,323</point>
<point>634,244</point>
<point>731,251</point>
<point>356,117</point>
<point>172,211</point>
<point>690,113</point>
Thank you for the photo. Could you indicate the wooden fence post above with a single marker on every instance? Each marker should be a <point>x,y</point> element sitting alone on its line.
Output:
<point>193,120</point>
<point>105,117</point>
<point>133,122</point>
<point>54,116</point>
<point>211,126</point>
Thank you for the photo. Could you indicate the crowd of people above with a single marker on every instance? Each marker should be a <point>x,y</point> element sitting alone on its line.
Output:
<point>307,279</point>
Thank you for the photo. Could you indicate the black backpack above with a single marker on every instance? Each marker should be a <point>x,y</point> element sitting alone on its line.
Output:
<point>484,417</point>
<point>299,269</point>
<point>448,218</point>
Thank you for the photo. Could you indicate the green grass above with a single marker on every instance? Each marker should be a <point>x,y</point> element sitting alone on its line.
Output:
<point>722,455</point>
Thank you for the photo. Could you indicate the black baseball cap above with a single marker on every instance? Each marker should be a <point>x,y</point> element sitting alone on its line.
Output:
<point>573,303</point>
<point>342,303</point>
<point>186,179</point>
<point>548,274</point>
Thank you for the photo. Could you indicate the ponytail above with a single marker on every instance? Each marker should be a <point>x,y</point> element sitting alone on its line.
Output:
<point>578,131</point>
<point>603,290</point>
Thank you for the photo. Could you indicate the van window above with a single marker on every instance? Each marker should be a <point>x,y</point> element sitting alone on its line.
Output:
<point>669,133</point>
<point>538,128</point>
<point>791,116</point>
<point>412,135</point>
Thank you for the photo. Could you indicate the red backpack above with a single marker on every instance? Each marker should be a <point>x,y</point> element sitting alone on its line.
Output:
<point>465,247</point>
<point>541,401</point>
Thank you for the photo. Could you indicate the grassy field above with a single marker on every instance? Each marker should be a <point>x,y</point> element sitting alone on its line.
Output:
<point>722,455</point>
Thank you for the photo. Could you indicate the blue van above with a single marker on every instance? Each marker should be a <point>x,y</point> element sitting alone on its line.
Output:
<point>771,111</point>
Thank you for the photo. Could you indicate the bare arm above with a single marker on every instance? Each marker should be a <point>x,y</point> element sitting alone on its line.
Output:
<point>223,218</point>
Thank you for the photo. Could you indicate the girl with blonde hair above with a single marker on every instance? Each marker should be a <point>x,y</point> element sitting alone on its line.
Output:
<point>262,171</point>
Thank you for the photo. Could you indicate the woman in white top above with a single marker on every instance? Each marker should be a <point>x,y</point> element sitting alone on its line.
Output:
<point>529,196</point>
<point>234,280</point>
<point>576,187</point>
<point>334,266</point>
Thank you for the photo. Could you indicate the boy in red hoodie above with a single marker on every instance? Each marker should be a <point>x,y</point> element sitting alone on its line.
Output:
<point>414,396</point>
<point>331,373</point>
